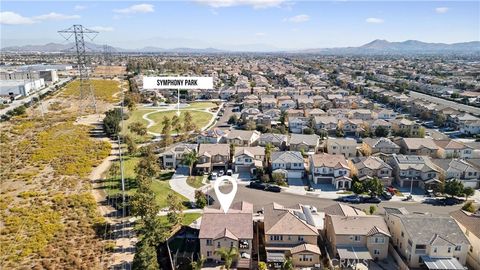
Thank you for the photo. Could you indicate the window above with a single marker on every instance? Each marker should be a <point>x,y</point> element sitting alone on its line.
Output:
<point>435,250</point>
<point>300,238</point>
<point>402,234</point>
<point>356,238</point>
<point>209,253</point>
<point>218,244</point>
<point>276,238</point>
<point>169,164</point>
<point>379,240</point>
<point>376,252</point>
<point>449,249</point>
<point>209,242</point>
<point>458,248</point>
<point>231,244</point>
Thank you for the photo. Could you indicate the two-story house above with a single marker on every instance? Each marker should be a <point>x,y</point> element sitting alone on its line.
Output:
<point>330,169</point>
<point>459,169</point>
<point>327,124</point>
<point>173,157</point>
<point>291,163</point>
<point>213,157</point>
<point>297,124</point>
<point>289,233</point>
<point>214,135</point>
<point>369,167</point>
<point>242,137</point>
<point>357,237</point>
<point>302,142</point>
<point>425,240</point>
<point>453,149</point>
<point>280,141</point>
<point>380,145</point>
<point>234,229</point>
<point>469,224</point>
<point>415,171</point>
<point>247,159</point>
<point>418,146</point>
<point>405,127</point>
<point>346,147</point>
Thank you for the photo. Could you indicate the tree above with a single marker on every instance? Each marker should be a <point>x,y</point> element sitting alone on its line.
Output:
<point>188,125</point>
<point>138,128</point>
<point>339,132</point>
<point>166,130</point>
<point>143,202</point>
<point>176,124</point>
<point>268,152</point>
<point>454,188</point>
<point>279,178</point>
<point>283,117</point>
<point>228,255</point>
<point>467,192</point>
<point>145,256</point>
<point>131,145</point>
<point>440,119</point>
<point>189,160</point>
<point>232,151</point>
<point>374,186</point>
<point>198,265</point>
<point>250,125</point>
<point>381,131</point>
<point>421,132</point>
<point>111,122</point>
<point>372,209</point>
<point>175,215</point>
<point>262,266</point>
<point>307,131</point>
<point>233,119</point>
<point>288,264</point>
<point>469,207</point>
<point>200,199</point>
<point>148,165</point>
<point>358,187</point>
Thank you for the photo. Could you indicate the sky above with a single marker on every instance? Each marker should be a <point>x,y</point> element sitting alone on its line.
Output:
<point>241,24</point>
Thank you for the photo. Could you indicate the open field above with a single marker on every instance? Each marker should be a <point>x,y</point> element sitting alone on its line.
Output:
<point>199,118</point>
<point>201,105</point>
<point>161,189</point>
<point>136,116</point>
<point>109,70</point>
<point>103,89</point>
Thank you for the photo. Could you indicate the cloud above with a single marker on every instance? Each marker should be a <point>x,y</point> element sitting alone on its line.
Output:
<point>298,19</point>
<point>374,20</point>
<point>260,34</point>
<point>441,10</point>
<point>140,8</point>
<point>256,4</point>
<point>53,16</point>
<point>102,28</point>
<point>12,18</point>
<point>79,7</point>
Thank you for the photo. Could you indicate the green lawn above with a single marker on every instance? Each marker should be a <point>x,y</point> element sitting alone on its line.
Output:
<point>195,181</point>
<point>201,105</point>
<point>162,188</point>
<point>188,218</point>
<point>199,118</point>
<point>136,116</point>
<point>166,175</point>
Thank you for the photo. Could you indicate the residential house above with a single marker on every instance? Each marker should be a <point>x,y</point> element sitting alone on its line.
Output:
<point>173,157</point>
<point>298,124</point>
<point>469,224</point>
<point>380,145</point>
<point>386,114</point>
<point>327,124</point>
<point>292,113</point>
<point>279,141</point>
<point>315,112</point>
<point>352,127</point>
<point>286,104</point>
<point>453,149</point>
<point>250,114</point>
<point>242,137</point>
<point>308,143</point>
<point>459,169</point>
<point>305,102</point>
<point>292,232</point>
<point>425,240</point>
<point>213,157</point>
<point>415,171</point>
<point>405,127</point>
<point>214,135</point>
<point>370,167</point>
<point>290,163</point>
<point>330,169</point>
<point>418,146</point>
<point>363,114</point>
<point>374,124</point>
<point>344,210</point>
<point>268,102</point>
<point>273,113</point>
<point>233,229</point>
<point>247,159</point>
<point>357,237</point>
<point>346,147</point>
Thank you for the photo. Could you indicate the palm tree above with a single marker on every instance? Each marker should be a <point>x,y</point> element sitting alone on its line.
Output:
<point>190,159</point>
<point>228,255</point>
<point>288,264</point>
<point>198,264</point>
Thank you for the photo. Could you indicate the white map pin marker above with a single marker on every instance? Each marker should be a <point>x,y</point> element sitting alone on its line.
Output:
<point>225,199</point>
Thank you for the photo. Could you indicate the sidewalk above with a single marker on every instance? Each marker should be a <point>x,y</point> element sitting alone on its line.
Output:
<point>178,183</point>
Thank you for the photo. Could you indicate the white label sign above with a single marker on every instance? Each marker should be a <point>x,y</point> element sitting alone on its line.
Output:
<point>177,82</point>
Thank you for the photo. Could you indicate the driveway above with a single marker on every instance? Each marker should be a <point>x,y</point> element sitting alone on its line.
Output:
<point>178,183</point>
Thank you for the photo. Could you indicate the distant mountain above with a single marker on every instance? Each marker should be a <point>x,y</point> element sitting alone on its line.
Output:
<point>377,46</point>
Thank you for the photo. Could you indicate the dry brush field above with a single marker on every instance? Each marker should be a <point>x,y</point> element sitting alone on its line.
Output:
<point>49,218</point>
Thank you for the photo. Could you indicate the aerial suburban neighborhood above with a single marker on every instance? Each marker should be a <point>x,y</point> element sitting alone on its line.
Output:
<point>343,157</point>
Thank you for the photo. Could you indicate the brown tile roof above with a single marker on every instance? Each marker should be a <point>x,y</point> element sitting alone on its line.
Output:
<point>418,143</point>
<point>358,225</point>
<point>214,149</point>
<point>306,248</point>
<point>237,223</point>
<point>468,220</point>
<point>281,220</point>
<point>331,161</point>
<point>450,144</point>
<point>340,209</point>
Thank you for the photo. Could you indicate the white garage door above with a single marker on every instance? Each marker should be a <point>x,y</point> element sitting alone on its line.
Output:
<point>294,174</point>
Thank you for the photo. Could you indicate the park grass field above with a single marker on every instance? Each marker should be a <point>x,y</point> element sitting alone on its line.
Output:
<point>201,119</point>
<point>103,90</point>
<point>201,105</point>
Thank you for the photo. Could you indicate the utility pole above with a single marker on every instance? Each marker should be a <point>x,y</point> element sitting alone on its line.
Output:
<point>79,32</point>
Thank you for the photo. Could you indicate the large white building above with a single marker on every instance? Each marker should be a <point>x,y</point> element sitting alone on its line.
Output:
<point>20,87</point>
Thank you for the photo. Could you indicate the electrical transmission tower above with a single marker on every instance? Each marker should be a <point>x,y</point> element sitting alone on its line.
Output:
<point>86,88</point>
<point>107,55</point>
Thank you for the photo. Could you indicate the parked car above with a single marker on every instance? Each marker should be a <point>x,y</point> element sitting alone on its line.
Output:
<point>213,176</point>
<point>256,185</point>
<point>351,199</point>
<point>372,199</point>
<point>386,195</point>
<point>229,172</point>
<point>273,188</point>
<point>221,173</point>
<point>392,190</point>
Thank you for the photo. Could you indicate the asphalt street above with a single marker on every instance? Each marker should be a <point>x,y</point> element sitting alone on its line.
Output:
<point>260,198</point>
